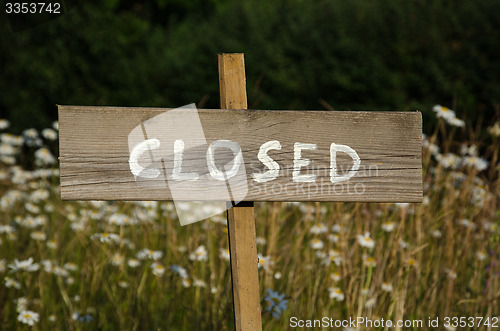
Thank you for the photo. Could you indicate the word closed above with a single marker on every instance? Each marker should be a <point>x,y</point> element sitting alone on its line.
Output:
<point>116,153</point>
<point>222,175</point>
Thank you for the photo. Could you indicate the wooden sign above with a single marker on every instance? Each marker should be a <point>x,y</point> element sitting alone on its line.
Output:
<point>270,155</point>
<point>111,153</point>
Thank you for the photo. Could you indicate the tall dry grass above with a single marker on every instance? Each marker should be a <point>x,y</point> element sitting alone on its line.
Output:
<point>435,259</point>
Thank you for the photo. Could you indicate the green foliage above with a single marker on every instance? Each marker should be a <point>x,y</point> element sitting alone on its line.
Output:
<point>299,55</point>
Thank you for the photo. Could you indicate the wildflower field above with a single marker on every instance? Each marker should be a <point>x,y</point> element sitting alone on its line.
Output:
<point>130,265</point>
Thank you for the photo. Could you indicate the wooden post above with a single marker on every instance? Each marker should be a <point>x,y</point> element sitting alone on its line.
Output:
<point>240,218</point>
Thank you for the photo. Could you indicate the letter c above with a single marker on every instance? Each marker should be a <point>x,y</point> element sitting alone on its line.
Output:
<point>136,153</point>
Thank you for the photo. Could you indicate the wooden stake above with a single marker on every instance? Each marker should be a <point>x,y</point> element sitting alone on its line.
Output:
<point>240,218</point>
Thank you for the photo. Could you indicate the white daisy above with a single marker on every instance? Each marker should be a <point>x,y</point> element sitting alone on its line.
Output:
<point>443,112</point>
<point>200,254</point>
<point>333,256</point>
<point>475,162</point>
<point>264,262</point>
<point>21,304</point>
<point>44,157</point>
<point>117,259</point>
<point>49,134</point>
<point>4,124</point>
<point>158,269</point>
<point>456,122</point>
<point>25,265</point>
<point>38,235</point>
<point>336,293</point>
<point>336,276</point>
<point>336,228</point>
<point>436,233</point>
<point>179,271</point>
<point>224,254</point>
<point>28,317</point>
<point>71,266</point>
<point>495,130</point>
<point>334,238</point>
<point>133,263</point>
<point>105,237</point>
<point>403,244</point>
<point>366,241</point>
<point>123,284</point>
<point>451,273</point>
<point>149,254</point>
<point>481,255</point>
<point>370,303</point>
<point>317,244</point>
<point>449,160</point>
<point>468,224</point>
<point>199,283</point>
<point>386,287</point>
<point>369,261</point>
<point>318,229</point>
<point>388,226</point>
<point>9,282</point>
<point>260,241</point>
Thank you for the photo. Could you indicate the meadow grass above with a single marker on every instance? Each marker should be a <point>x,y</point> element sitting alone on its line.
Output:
<point>131,266</point>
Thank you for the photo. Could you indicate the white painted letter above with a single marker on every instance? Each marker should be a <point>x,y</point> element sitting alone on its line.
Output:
<point>177,171</point>
<point>237,161</point>
<point>334,148</point>
<point>274,167</point>
<point>136,153</point>
<point>299,162</point>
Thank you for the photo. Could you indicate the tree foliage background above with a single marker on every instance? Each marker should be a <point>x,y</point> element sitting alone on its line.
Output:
<point>347,55</point>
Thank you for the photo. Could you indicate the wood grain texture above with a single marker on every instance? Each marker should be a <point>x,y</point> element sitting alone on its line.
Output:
<point>240,219</point>
<point>244,266</point>
<point>94,154</point>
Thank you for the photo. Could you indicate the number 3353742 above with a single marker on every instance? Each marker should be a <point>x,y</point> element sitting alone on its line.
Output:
<point>32,8</point>
<point>471,322</point>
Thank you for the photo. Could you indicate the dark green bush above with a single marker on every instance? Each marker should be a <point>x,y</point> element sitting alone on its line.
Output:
<point>358,54</point>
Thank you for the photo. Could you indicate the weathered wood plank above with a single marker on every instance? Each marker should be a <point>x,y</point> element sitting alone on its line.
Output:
<point>240,219</point>
<point>94,154</point>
